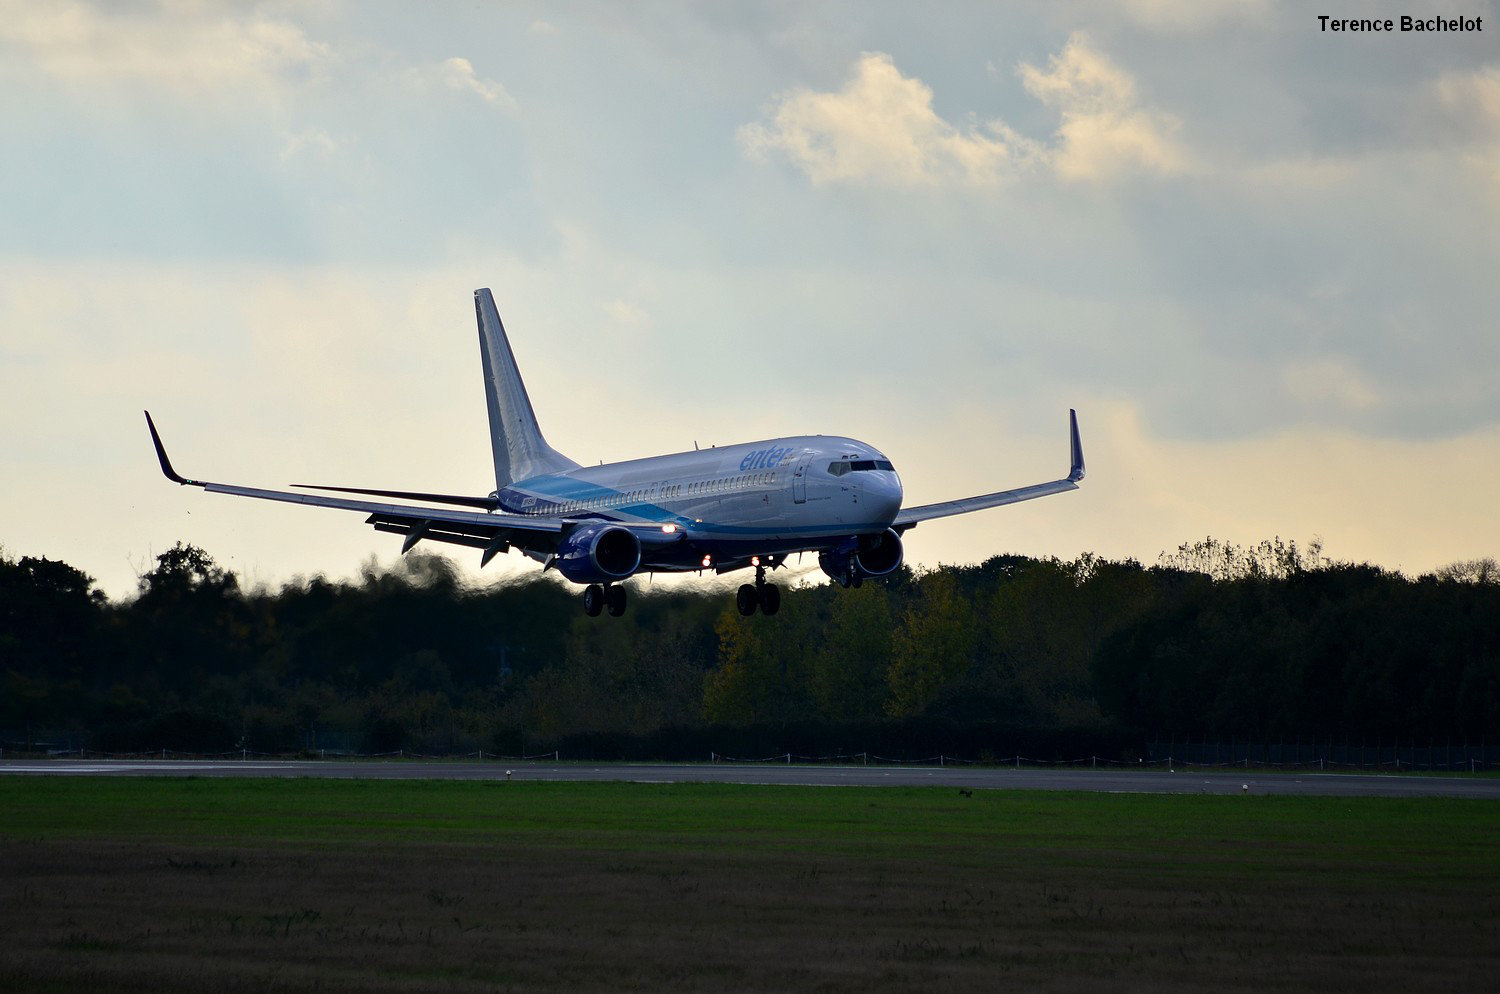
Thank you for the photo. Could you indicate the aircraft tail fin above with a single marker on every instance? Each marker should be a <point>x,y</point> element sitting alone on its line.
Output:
<point>520,450</point>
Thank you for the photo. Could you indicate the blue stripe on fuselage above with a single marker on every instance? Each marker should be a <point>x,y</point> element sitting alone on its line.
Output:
<point>550,492</point>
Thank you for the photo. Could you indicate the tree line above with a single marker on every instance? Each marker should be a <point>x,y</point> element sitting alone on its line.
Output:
<point>1079,657</point>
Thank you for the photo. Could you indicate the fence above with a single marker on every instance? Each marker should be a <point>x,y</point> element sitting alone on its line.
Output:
<point>248,754</point>
<point>1328,754</point>
<point>1461,758</point>
<point>867,759</point>
<point>1302,754</point>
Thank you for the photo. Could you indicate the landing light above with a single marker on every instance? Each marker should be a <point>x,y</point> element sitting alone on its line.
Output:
<point>754,560</point>
<point>668,529</point>
<point>708,560</point>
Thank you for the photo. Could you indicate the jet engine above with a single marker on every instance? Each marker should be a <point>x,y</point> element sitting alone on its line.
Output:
<point>856,558</point>
<point>599,553</point>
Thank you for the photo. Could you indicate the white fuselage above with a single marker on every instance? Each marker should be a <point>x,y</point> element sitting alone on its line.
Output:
<point>778,495</point>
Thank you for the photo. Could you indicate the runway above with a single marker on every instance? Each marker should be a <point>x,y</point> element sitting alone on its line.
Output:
<point>967,778</point>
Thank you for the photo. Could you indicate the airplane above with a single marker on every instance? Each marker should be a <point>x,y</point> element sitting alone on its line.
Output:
<point>725,508</point>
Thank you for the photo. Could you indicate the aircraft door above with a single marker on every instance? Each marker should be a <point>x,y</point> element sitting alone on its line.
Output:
<point>799,479</point>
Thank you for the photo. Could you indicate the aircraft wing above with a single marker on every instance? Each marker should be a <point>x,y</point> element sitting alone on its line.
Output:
<point>492,532</point>
<point>909,517</point>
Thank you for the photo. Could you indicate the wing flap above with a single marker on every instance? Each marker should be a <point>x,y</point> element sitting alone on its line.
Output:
<point>482,502</point>
<point>486,523</point>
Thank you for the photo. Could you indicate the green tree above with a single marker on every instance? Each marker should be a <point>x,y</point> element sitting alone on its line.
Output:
<point>850,663</point>
<point>189,620</point>
<point>933,645</point>
<point>53,647</point>
<point>764,670</point>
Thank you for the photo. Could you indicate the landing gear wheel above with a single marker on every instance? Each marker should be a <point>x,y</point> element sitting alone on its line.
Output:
<point>616,598</point>
<point>746,599</point>
<point>770,599</point>
<point>857,582</point>
<point>593,600</point>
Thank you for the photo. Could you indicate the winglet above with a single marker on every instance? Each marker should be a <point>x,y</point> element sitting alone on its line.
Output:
<point>1076,472</point>
<point>161,455</point>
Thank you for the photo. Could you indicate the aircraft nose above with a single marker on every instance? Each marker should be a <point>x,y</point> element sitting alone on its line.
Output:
<point>883,495</point>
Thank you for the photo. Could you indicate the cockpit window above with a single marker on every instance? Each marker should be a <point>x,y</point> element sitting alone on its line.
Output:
<point>859,466</point>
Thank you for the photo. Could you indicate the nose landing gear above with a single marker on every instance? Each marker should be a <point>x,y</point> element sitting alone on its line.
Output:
<point>766,596</point>
<point>852,576</point>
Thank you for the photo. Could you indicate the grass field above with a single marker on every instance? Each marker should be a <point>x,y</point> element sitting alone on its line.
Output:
<point>329,885</point>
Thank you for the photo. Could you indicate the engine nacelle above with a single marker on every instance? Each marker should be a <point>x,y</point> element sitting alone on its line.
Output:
<point>599,553</point>
<point>855,559</point>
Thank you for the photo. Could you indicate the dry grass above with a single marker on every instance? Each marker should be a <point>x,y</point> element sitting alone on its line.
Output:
<point>791,902</point>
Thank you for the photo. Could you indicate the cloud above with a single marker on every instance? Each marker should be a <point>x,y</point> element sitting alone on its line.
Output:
<point>175,47</point>
<point>881,129</point>
<point>1104,131</point>
<point>458,74</point>
<point>1321,382</point>
<point>313,140</point>
<point>1459,108</point>
<point>192,51</point>
<point>1185,15</point>
<point>628,315</point>
<point>1466,107</point>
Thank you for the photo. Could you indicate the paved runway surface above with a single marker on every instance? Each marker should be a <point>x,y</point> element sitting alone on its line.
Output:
<point>1004,778</point>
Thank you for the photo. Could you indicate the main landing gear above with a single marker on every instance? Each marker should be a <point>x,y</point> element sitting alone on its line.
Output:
<point>597,598</point>
<point>766,596</point>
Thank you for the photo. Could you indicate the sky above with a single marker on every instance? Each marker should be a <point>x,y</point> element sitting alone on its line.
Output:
<point>1259,258</point>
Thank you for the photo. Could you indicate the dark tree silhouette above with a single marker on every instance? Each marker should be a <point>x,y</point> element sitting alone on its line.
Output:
<point>1262,642</point>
